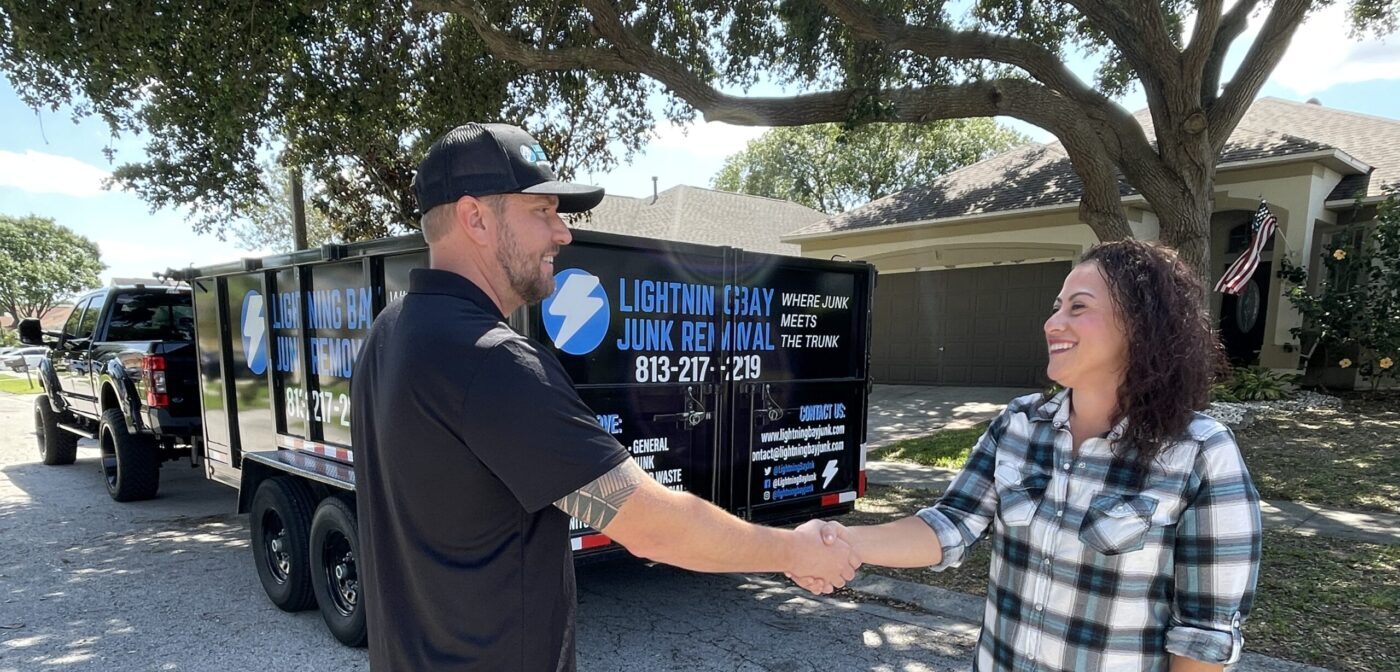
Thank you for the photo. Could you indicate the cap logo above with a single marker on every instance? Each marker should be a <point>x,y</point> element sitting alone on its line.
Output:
<point>533,154</point>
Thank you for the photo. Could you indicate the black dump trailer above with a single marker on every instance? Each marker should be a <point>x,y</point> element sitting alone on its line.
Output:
<point>739,377</point>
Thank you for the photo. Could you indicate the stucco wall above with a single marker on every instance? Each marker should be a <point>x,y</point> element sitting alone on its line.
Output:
<point>1295,192</point>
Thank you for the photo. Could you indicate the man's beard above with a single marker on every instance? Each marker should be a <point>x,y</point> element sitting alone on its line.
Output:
<point>522,272</point>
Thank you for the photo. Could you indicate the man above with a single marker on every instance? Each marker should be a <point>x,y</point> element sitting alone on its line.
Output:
<point>472,448</point>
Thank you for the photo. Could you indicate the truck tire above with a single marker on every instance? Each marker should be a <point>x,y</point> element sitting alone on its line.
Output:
<point>57,446</point>
<point>280,521</point>
<point>130,462</point>
<point>335,545</point>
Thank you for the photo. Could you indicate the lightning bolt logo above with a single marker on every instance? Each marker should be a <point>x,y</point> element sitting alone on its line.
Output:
<point>829,473</point>
<point>571,315</point>
<point>254,332</point>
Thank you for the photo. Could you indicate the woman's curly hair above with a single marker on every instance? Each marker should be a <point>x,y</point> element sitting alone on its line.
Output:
<point>1174,355</point>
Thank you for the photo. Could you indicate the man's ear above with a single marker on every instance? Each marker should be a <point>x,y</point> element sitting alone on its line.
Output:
<point>473,217</point>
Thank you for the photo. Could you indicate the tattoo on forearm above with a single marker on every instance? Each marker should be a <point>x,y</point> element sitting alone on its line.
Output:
<point>597,503</point>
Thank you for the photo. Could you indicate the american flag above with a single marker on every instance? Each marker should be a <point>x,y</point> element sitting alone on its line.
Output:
<point>1237,276</point>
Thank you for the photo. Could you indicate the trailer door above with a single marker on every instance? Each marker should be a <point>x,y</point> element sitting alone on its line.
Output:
<point>799,360</point>
<point>634,323</point>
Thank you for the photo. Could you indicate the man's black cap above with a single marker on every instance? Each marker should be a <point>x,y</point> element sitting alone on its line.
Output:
<point>486,159</point>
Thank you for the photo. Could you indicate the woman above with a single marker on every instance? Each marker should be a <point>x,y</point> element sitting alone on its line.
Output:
<point>1124,526</point>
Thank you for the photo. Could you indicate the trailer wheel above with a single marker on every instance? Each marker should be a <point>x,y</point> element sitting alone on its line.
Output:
<point>280,521</point>
<point>130,462</point>
<point>56,445</point>
<point>335,547</point>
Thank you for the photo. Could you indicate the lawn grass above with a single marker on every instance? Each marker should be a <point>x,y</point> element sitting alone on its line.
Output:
<point>18,385</point>
<point>1327,602</point>
<point>1347,458</point>
<point>946,448</point>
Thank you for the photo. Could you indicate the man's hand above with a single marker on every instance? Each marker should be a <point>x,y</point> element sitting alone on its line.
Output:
<point>824,558</point>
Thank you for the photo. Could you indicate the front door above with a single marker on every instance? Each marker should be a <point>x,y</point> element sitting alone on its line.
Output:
<point>1242,318</point>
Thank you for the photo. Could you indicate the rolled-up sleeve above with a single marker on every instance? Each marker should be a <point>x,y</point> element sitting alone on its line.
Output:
<point>1217,555</point>
<point>963,513</point>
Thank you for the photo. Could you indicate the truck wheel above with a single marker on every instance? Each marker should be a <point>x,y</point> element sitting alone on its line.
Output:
<point>280,519</point>
<point>335,546</point>
<point>56,445</point>
<point>130,463</point>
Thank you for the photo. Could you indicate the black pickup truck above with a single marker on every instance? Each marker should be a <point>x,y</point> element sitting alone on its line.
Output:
<point>122,371</point>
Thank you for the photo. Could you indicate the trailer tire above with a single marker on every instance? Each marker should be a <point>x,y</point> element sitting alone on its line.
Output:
<point>57,446</point>
<point>280,524</point>
<point>130,462</point>
<point>335,547</point>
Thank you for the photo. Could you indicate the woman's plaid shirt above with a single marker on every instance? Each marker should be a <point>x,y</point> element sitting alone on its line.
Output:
<point>1095,565</point>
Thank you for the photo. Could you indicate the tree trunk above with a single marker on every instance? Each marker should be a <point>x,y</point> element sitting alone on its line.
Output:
<point>1188,231</point>
<point>1185,199</point>
<point>298,211</point>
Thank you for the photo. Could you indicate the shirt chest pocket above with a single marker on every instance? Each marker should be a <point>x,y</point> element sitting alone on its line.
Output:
<point>1117,523</point>
<point>1020,489</point>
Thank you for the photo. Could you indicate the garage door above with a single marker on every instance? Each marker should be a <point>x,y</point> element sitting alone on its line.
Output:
<point>972,326</point>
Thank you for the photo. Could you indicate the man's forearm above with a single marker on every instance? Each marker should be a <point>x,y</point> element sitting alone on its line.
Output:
<point>683,530</point>
<point>702,537</point>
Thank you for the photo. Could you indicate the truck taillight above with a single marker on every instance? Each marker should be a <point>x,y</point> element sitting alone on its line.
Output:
<point>157,391</point>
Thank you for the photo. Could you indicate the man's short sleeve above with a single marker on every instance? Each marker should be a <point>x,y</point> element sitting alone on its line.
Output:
<point>526,423</point>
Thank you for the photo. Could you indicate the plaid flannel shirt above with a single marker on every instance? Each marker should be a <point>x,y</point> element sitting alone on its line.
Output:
<point>1096,566</point>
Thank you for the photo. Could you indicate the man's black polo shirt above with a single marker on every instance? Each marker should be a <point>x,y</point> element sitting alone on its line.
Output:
<point>465,434</point>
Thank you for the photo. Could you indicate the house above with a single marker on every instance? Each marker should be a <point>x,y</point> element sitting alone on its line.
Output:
<point>705,216</point>
<point>971,262</point>
<point>51,321</point>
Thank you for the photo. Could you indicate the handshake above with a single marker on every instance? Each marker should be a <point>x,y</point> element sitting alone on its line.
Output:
<point>824,557</point>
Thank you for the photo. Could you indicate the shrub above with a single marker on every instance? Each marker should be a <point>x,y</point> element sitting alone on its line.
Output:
<point>1356,306</point>
<point>1254,383</point>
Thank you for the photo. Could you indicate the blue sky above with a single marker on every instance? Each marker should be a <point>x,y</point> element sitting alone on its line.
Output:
<point>53,167</point>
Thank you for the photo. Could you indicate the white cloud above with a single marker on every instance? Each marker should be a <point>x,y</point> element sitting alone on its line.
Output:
<point>709,139</point>
<point>1324,54</point>
<point>140,257</point>
<point>40,173</point>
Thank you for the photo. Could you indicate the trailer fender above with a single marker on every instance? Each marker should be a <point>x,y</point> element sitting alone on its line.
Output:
<point>323,474</point>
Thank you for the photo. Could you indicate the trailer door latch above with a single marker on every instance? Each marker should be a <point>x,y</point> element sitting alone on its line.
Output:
<point>694,413</point>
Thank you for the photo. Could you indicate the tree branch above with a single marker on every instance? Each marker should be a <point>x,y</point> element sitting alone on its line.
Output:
<point>1145,48</point>
<point>1041,63</point>
<point>940,42</point>
<point>1208,21</point>
<point>506,46</point>
<point>1231,26</point>
<point>1263,57</point>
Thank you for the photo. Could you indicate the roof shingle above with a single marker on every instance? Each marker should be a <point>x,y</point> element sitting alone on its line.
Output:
<point>704,216</point>
<point>1038,175</point>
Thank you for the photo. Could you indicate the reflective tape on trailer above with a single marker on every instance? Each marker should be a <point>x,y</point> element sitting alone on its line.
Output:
<point>322,449</point>
<point>839,498</point>
<point>588,541</point>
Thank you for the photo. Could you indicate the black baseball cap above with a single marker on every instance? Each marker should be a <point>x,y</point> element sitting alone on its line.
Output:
<point>487,159</point>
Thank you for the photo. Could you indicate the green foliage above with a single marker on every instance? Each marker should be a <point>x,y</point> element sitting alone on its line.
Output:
<point>349,90</point>
<point>833,169</point>
<point>1356,303</point>
<point>41,263</point>
<point>1254,383</point>
<point>9,338</point>
<point>268,223</point>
